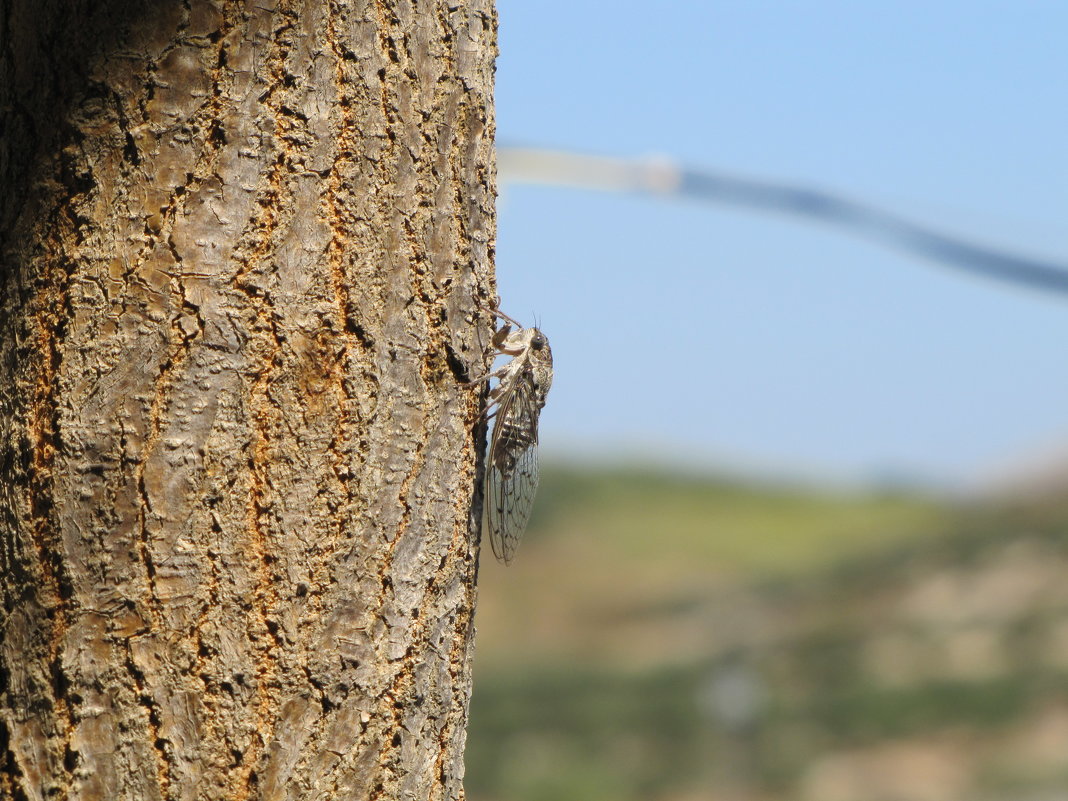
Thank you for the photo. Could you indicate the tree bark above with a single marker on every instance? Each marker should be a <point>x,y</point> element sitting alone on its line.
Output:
<point>244,246</point>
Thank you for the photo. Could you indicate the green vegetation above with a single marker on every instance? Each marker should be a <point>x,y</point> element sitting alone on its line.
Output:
<point>646,515</point>
<point>668,637</point>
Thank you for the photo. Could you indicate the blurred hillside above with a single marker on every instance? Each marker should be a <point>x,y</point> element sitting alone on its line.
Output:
<point>676,638</point>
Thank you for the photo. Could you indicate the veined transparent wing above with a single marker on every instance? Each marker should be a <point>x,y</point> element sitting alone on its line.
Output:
<point>512,468</point>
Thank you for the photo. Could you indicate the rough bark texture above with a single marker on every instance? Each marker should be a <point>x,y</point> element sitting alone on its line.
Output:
<point>242,244</point>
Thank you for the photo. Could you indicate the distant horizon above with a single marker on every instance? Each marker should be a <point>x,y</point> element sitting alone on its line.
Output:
<point>1037,470</point>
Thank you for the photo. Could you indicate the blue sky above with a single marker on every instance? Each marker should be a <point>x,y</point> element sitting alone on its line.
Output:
<point>730,339</point>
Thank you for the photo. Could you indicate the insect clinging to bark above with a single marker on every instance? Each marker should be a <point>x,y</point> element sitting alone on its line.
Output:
<point>515,403</point>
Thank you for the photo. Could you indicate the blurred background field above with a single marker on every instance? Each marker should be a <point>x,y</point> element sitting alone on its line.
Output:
<point>672,637</point>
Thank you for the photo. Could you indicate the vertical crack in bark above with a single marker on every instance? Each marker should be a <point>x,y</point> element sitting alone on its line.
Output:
<point>211,690</point>
<point>50,315</point>
<point>459,656</point>
<point>166,379</point>
<point>386,20</point>
<point>209,120</point>
<point>356,356</point>
<point>180,343</point>
<point>260,242</point>
<point>152,717</point>
<point>340,221</point>
<point>181,340</point>
<point>391,700</point>
<point>259,408</point>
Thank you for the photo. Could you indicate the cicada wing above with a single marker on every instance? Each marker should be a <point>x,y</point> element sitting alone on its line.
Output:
<point>512,468</point>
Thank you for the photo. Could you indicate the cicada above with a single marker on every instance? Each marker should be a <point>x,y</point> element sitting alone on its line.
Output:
<point>514,405</point>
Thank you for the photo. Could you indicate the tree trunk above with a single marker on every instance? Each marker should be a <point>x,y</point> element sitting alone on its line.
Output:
<point>244,245</point>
